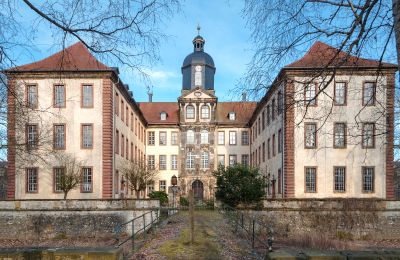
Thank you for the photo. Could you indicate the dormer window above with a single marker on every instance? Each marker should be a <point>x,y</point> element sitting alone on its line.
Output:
<point>163,116</point>
<point>190,112</point>
<point>232,116</point>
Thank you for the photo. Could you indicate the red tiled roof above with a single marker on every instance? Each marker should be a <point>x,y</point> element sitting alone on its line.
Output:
<point>321,55</point>
<point>151,112</point>
<point>74,58</point>
<point>243,110</point>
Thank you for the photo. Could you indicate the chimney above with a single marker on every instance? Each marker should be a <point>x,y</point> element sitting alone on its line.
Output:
<point>244,97</point>
<point>130,93</point>
<point>150,93</point>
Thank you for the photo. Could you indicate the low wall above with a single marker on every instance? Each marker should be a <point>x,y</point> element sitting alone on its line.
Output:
<point>344,218</point>
<point>47,219</point>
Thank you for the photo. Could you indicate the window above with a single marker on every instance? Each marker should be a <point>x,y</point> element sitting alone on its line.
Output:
<point>221,138</point>
<point>279,181</point>
<point>127,116</point>
<point>273,145</point>
<point>150,187</point>
<point>59,96</point>
<point>122,110</point>
<point>162,185</point>
<point>259,154</point>
<point>190,160</point>
<point>280,141</point>
<point>368,179</point>
<point>190,137</point>
<point>369,89</point>
<point>190,112</point>
<point>87,136</point>
<point>310,98</point>
<point>204,137</point>
<point>205,112</point>
<point>340,93</point>
<point>87,179</point>
<point>174,162</point>
<point>232,137</point>
<point>116,182</point>
<point>310,135</point>
<point>232,116</point>
<point>122,146</point>
<point>174,138</point>
<point>32,136</point>
<point>132,152</point>
<point>151,138</point>
<point>151,162</point>
<point>263,120</point>
<point>340,179</point>
<point>32,180</point>
<point>245,159</point>
<point>232,159</point>
<point>221,159</point>
<point>273,110</point>
<point>163,138</point>
<point>268,114</point>
<point>58,174</point>
<point>339,135</point>
<point>259,126</point>
<point>163,116</point>
<point>163,162</point>
<point>245,138</point>
<point>205,160</point>
<point>368,135</point>
<point>311,179</point>
<point>132,122</point>
<point>127,148</point>
<point>32,96</point>
<point>87,96</point>
<point>59,137</point>
<point>263,151</point>
<point>117,142</point>
<point>116,104</point>
<point>280,103</point>
<point>269,148</point>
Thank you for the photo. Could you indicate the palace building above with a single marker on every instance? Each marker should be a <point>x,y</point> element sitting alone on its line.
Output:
<point>320,131</point>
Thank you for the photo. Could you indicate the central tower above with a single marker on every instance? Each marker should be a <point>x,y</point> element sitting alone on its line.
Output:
<point>198,68</point>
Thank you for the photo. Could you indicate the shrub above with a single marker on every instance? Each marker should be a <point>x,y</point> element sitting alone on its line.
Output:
<point>183,201</point>
<point>239,184</point>
<point>209,204</point>
<point>160,195</point>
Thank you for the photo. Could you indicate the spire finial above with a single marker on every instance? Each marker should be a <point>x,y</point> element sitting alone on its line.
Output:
<point>198,29</point>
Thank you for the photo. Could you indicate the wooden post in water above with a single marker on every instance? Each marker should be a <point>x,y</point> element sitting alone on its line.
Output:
<point>191,216</point>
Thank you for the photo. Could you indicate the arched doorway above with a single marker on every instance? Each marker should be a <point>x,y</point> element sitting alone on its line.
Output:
<point>198,190</point>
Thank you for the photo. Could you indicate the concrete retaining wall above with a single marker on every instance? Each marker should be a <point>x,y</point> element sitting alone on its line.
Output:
<point>48,219</point>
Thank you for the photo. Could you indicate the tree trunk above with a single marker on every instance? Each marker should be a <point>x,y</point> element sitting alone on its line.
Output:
<point>396,21</point>
<point>65,195</point>
<point>138,194</point>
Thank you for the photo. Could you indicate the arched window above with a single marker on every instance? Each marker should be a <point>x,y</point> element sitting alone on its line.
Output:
<point>205,112</point>
<point>190,160</point>
<point>163,116</point>
<point>190,137</point>
<point>205,160</point>
<point>190,112</point>
<point>204,137</point>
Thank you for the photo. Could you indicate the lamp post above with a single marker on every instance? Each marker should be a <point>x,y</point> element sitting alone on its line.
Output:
<point>174,182</point>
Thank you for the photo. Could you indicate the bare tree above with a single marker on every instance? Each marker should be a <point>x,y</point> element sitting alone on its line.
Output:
<point>69,176</point>
<point>137,174</point>
<point>281,28</point>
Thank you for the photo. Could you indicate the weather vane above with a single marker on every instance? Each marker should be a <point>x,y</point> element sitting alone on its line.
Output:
<point>198,29</point>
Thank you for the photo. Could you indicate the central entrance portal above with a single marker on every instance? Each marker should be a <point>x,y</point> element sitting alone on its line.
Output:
<point>198,190</point>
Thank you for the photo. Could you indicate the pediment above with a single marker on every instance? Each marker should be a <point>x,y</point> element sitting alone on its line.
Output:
<point>198,94</point>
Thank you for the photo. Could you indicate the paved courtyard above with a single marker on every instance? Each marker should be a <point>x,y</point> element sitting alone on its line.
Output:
<point>214,239</point>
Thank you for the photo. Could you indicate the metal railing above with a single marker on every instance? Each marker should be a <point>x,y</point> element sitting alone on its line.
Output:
<point>139,225</point>
<point>255,229</point>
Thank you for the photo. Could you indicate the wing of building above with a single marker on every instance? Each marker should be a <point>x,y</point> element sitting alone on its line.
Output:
<point>323,129</point>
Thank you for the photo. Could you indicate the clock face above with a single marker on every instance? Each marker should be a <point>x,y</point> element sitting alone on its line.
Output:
<point>198,68</point>
<point>197,94</point>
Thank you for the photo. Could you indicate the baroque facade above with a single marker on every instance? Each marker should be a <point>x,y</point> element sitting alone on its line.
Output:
<point>312,135</point>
